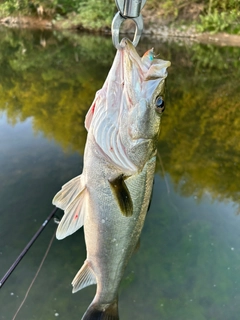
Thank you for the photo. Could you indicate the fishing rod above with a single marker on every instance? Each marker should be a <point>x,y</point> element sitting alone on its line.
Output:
<point>28,246</point>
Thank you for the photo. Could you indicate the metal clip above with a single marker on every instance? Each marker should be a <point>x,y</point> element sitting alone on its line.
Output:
<point>128,9</point>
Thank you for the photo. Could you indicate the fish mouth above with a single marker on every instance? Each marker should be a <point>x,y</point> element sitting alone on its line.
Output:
<point>129,48</point>
<point>126,42</point>
<point>156,64</point>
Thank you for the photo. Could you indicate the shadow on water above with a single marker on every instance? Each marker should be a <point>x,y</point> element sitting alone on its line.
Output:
<point>188,263</point>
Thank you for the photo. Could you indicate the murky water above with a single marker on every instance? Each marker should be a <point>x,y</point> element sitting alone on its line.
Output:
<point>188,264</point>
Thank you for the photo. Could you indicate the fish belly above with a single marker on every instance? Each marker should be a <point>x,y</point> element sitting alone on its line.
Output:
<point>110,236</point>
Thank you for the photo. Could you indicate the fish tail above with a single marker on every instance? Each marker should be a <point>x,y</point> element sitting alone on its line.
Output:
<point>102,311</point>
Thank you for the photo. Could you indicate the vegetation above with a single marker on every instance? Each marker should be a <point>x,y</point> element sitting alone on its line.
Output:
<point>220,21</point>
<point>199,142</point>
<point>209,15</point>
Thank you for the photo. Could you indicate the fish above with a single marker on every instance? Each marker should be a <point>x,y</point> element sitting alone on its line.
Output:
<point>111,197</point>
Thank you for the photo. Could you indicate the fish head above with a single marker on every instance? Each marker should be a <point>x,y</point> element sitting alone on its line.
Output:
<point>144,91</point>
<point>124,119</point>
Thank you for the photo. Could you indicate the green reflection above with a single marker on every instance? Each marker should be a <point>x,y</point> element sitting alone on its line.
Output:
<point>54,79</point>
<point>200,138</point>
<point>187,266</point>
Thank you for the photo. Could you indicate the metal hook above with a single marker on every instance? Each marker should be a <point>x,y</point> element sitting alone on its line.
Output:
<point>128,9</point>
<point>116,23</point>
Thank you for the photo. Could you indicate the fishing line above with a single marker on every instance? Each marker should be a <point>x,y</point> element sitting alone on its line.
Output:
<point>166,182</point>
<point>28,246</point>
<point>35,277</point>
<point>163,171</point>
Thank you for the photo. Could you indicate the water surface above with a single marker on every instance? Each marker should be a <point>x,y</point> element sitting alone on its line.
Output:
<point>188,264</point>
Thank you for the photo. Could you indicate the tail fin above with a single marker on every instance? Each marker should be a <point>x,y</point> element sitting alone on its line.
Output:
<point>102,312</point>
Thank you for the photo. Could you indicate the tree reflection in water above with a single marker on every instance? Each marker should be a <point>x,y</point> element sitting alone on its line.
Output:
<point>188,263</point>
<point>200,136</point>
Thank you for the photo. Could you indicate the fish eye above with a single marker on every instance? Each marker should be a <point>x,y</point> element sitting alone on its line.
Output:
<point>159,103</point>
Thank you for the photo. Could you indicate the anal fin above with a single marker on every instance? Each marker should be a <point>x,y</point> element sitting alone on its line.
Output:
<point>122,195</point>
<point>84,278</point>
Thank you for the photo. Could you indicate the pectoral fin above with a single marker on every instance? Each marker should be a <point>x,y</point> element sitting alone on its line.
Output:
<point>122,196</point>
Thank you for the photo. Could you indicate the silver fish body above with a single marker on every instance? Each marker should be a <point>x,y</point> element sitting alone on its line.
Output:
<point>111,196</point>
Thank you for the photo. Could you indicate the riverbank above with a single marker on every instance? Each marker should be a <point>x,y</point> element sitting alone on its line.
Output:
<point>152,26</point>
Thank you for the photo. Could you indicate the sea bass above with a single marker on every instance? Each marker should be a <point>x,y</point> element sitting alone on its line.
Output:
<point>111,196</point>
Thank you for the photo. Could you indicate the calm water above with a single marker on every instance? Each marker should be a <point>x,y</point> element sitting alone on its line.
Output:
<point>188,264</point>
